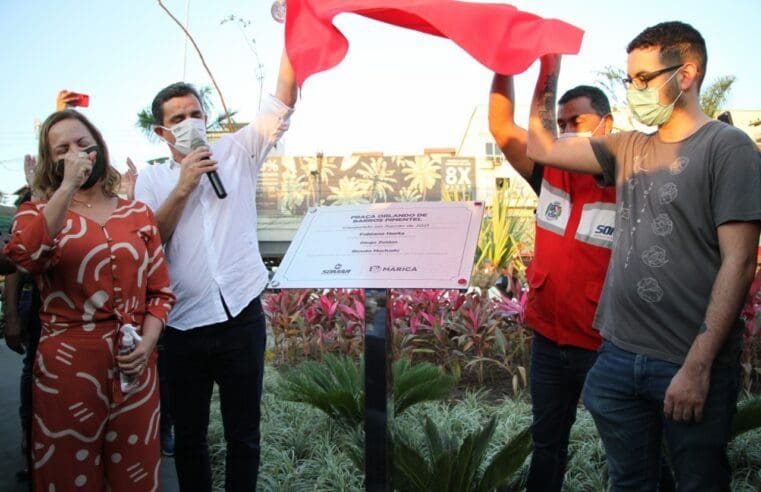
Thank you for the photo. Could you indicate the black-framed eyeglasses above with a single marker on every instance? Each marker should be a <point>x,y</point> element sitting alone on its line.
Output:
<point>640,81</point>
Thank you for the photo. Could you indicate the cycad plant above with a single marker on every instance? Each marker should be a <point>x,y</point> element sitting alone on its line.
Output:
<point>748,417</point>
<point>337,386</point>
<point>445,463</point>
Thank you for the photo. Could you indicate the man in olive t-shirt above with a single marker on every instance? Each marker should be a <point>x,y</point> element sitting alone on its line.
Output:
<point>670,194</point>
<point>687,225</point>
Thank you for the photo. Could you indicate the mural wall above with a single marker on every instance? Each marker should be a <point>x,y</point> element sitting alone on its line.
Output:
<point>288,186</point>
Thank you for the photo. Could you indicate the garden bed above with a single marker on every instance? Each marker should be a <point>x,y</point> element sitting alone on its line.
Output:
<point>303,449</point>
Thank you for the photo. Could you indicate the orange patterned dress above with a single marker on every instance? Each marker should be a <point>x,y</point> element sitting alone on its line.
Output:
<point>87,434</point>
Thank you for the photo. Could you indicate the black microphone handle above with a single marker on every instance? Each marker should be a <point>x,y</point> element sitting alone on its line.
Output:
<point>216,184</point>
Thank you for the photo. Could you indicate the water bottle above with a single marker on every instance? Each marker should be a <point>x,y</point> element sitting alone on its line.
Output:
<point>127,344</point>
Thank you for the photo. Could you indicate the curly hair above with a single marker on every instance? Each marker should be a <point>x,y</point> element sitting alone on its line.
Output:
<point>46,177</point>
<point>678,42</point>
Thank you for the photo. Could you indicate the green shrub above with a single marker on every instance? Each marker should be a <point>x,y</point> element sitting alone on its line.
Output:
<point>337,386</point>
<point>303,450</point>
<point>446,463</point>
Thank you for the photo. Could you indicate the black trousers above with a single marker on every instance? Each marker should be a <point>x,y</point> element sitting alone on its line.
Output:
<point>230,354</point>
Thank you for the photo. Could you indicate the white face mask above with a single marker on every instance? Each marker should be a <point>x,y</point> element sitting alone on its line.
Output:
<point>189,134</point>
<point>582,134</point>
<point>574,135</point>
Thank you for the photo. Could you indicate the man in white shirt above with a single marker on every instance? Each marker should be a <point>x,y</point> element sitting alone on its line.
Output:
<point>217,331</point>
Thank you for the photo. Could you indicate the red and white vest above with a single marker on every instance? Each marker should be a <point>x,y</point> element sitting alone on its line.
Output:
<point>575,225</point>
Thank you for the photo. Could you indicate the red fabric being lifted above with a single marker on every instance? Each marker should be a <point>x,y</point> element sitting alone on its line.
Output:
<point>499,36</point>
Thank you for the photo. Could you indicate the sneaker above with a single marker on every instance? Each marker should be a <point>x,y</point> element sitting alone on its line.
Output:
<point>167,443</point>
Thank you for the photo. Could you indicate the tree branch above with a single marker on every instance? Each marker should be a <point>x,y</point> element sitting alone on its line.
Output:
<point>230,125</point>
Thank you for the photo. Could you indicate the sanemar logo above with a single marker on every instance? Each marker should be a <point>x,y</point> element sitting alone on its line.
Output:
<point>554,211</point>
<point>338,269</point>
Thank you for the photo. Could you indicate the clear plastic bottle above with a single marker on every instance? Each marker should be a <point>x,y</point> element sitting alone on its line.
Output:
<point>128,342</point>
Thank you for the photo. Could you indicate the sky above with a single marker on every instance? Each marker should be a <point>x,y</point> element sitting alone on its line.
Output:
<point>397,91</point>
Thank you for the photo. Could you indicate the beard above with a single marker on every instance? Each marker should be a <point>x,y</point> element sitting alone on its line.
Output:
<point>672,93</point>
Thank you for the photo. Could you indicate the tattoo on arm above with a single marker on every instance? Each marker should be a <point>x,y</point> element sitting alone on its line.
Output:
<point>547,102</point>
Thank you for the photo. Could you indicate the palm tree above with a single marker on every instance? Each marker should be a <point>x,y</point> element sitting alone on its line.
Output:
<point>380,179</point>
<point>422,173</point>
<point>715,95</point>
<point>294,190</point>
<point>350,191</point>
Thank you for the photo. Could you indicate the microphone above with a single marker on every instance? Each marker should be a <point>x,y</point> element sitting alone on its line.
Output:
<point>216,183</point>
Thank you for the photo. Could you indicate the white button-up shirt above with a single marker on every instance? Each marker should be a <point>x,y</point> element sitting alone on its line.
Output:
<point>214,248</point>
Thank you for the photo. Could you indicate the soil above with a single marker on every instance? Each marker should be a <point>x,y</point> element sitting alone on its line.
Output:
<point>497,384</point>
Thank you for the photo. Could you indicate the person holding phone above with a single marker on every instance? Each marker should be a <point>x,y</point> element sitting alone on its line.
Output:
<point>99,264</point>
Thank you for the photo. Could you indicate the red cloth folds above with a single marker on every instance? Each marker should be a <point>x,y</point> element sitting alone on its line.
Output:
<point>501,37</point>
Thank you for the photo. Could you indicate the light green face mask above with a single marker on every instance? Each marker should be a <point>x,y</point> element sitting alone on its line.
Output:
<point>646,106</point>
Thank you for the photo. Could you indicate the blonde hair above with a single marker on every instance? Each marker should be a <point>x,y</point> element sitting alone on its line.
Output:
<point>46,176</point>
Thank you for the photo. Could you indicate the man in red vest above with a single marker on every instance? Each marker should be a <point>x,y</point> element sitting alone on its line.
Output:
<point>574,234</point>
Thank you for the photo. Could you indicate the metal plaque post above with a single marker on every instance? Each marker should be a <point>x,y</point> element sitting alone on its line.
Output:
<point>379,397</point>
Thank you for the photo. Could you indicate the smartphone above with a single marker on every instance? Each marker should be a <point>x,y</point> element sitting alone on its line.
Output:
<point>76,99</point>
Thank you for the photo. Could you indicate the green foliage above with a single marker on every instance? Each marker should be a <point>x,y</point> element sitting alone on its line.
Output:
<point>748,417</point>
<point>447,464</point>
<point>417,383</point>
<point>714,96</point>
<point>309,323</point>
<point>337,386</point>
<point>497,250</point>
<point>611,79</point>
<point>303,450</point>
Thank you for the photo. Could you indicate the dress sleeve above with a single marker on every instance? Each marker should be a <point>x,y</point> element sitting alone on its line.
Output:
<point>30,245</point>
<point>159,297</point>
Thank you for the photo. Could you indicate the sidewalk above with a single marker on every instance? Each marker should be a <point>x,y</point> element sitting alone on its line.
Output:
<point>10,429</point>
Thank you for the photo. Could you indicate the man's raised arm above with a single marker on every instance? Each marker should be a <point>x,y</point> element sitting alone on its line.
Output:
<point>510,138</point>
<point>287,89</point>
<point>571,154</point>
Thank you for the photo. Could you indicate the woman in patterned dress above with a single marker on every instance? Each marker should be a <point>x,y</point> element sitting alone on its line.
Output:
<point>99,264</point>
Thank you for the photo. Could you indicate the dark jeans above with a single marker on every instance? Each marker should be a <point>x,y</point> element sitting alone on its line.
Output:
<point>165,421</point>
<point>624,393</point>
<point>231,354</point>
<point>557,377</point>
